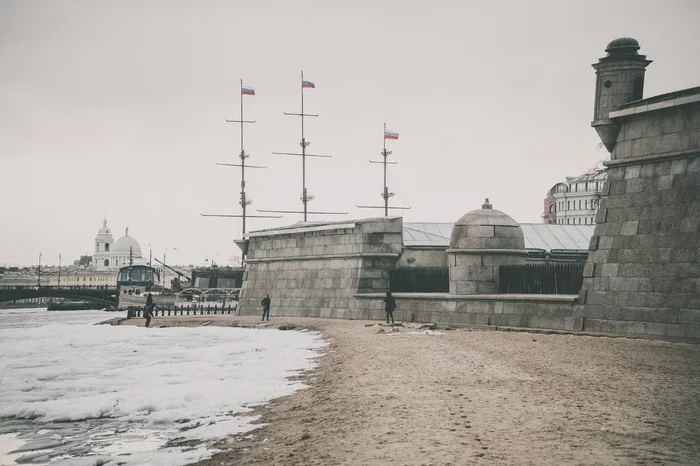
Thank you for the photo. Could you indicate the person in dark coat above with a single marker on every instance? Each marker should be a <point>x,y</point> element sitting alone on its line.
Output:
<point>266,307</point>
<point>148,311</point>
<point>389,307</point>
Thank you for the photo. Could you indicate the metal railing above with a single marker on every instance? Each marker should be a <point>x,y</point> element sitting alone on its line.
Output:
<point>551,278</point>
<point>419,279</point>
<point>174,310</point>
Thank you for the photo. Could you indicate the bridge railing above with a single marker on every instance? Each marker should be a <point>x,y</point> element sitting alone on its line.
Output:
<point>182,310</point>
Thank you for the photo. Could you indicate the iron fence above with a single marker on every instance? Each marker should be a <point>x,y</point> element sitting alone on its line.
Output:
<point>419,279</point>
<point>551,278</point>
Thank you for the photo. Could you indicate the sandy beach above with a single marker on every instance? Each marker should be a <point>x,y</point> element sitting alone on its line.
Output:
<point>386,397</point>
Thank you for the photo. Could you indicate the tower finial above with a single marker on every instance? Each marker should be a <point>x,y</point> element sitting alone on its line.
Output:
<point>487,204</point>
<point>127,231</point>
<point>104,222</point>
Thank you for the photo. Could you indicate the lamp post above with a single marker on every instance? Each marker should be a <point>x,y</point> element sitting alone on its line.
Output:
<point>59,270</point>
<point>164,267</point>
<point>38,276</point>
<point>150,255</point>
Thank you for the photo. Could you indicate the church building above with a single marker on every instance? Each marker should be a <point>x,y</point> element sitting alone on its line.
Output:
<point>110,254</point>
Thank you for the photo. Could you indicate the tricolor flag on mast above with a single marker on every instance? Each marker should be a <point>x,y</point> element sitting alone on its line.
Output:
<point>388,134</point>
<point>308,85</point>
<point>245,90</point>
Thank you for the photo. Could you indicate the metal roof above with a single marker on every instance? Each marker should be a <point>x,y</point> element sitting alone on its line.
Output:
<point>537,235</point>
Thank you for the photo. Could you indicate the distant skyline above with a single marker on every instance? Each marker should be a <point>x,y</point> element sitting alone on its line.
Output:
<point>117,109</point>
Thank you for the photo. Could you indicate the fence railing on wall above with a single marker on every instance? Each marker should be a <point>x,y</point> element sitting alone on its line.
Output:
<point>552,278</point>
<point>419,279</point>
<point>194,310</point>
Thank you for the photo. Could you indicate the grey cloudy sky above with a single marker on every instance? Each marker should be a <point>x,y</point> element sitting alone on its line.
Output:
<point>117,109</point>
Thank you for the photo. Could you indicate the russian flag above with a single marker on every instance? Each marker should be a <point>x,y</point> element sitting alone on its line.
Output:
<point>247,91</point>
<point>308,84</point>
<point>390,134</point>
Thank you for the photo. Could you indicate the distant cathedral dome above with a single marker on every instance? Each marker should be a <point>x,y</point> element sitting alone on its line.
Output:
<point>126,245</point>
<point>110,254</point>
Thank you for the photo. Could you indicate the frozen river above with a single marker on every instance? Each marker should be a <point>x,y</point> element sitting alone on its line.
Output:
<point>76,393</point>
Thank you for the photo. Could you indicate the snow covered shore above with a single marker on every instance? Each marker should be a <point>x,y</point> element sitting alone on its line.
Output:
<point>149,396</point>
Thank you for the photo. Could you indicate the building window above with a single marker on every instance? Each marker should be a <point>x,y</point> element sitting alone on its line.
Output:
<point>586,220</point>
<point>551,208</point>
<point>107,247</point>
<point>579,204</point>
<point>567,221</point>
<point>568,205</point>
<point>638,88</point>
<point>106,262</point>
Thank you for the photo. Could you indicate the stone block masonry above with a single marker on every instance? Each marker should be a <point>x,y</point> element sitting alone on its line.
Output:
<point>643,271</point>
<point>315,270</point>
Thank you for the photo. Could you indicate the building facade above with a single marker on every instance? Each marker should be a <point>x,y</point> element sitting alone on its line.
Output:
<point>84,278</point>
<point>575,201</point>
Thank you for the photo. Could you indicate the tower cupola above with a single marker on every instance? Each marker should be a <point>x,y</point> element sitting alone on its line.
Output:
<point>619,80</point>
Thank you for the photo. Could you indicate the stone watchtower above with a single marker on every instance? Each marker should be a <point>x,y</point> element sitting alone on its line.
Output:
<point>481,241</point>
<point>619,80</point>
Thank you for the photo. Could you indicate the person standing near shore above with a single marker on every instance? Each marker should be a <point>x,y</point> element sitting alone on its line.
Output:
<point>389,307</point>
<point>148,311</point>
<point>266,307</point>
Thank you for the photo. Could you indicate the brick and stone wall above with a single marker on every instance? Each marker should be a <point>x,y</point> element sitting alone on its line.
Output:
<point>553,312</point>
<point>316,269</point>
<point>643,272</point>
<point>423,256</point>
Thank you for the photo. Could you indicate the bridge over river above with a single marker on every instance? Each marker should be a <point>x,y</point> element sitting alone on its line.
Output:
<point>96,294</point>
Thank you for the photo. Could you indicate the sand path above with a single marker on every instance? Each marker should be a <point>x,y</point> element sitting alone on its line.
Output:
<point>481,397</point>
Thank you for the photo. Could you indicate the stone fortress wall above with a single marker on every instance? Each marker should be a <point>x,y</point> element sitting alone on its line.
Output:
<point>316,270</point>
<point>341,270</point>
<point>643,272</point>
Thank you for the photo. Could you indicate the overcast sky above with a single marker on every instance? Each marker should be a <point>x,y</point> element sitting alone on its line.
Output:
<point>117,109</point>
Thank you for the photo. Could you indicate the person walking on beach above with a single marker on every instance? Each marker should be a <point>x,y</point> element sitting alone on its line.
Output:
<point>148,311</point>
<point>389,307</point>
<point>266,307</point>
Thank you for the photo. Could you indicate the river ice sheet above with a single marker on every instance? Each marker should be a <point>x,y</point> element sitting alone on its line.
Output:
<point>75,392</point>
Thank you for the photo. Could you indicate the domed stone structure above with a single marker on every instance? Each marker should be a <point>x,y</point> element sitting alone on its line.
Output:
<point>481,241</point>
